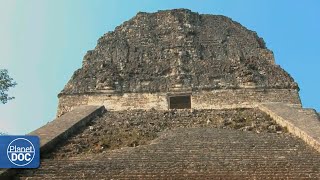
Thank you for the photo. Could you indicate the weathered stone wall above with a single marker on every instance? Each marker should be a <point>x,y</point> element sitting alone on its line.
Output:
<point>216,99</point>
<point>221,99</point>
<point>153,52</point>
<point>114,101</point>
<point>67,103</point>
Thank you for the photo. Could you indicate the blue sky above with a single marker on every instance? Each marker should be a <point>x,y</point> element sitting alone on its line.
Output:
<point>43,42</point>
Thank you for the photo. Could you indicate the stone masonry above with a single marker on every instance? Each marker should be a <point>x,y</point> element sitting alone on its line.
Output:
<point>59,130</point>
<point>215,99</point>
<point>303,123</point>
<point>188,96</point>
<point>130,128</point>
<point>212,58</point>
<point>179,144</point>
<point>193,153</point>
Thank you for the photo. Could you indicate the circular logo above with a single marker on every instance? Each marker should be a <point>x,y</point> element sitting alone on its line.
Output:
<point>20,152</point>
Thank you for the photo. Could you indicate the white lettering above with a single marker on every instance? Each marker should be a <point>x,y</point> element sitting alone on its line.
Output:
<point>11,148</point>
<point>20,149</point>
<point>21,157</point>
<point>26,158</point>
<point>14,157</point>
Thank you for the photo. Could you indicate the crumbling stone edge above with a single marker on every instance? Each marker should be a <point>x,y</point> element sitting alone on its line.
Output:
<point>292,128</point>
<point>79,117</point>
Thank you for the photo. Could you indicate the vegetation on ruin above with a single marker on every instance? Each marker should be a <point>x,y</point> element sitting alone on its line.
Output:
<point>6,82</point>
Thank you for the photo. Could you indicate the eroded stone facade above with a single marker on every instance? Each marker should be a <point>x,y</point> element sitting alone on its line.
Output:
<point>212,58</point>
<point>215,99</point>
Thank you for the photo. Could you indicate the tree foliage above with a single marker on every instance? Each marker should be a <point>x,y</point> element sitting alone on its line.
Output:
<point>6,82</point>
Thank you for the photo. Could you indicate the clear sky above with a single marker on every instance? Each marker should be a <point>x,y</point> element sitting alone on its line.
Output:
<point>42,42</point>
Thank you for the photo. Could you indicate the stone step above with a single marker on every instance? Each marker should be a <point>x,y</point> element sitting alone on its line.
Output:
<point>186,153</point>
<point>303,123</point>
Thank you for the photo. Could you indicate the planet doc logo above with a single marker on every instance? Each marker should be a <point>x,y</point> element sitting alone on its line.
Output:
<point>21,152</point>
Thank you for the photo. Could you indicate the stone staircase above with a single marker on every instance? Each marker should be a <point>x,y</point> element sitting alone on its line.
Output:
<point>193,153</point>
<point>301,122</point>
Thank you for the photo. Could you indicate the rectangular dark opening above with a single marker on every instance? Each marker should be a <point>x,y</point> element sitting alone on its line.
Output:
<point>180,102</point>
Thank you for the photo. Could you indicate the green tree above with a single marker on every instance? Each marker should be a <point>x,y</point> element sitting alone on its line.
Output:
<point>6,82</point>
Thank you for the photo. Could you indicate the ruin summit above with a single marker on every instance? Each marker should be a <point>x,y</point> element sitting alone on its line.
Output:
<point>246,120</point>
<point>178,59</point>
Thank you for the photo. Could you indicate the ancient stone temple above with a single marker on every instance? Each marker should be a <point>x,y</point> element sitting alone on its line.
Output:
<point>178,59</point>
<point>179,95</point>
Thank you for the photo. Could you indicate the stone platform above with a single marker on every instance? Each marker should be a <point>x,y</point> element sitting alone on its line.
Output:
<point>193,153</point>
